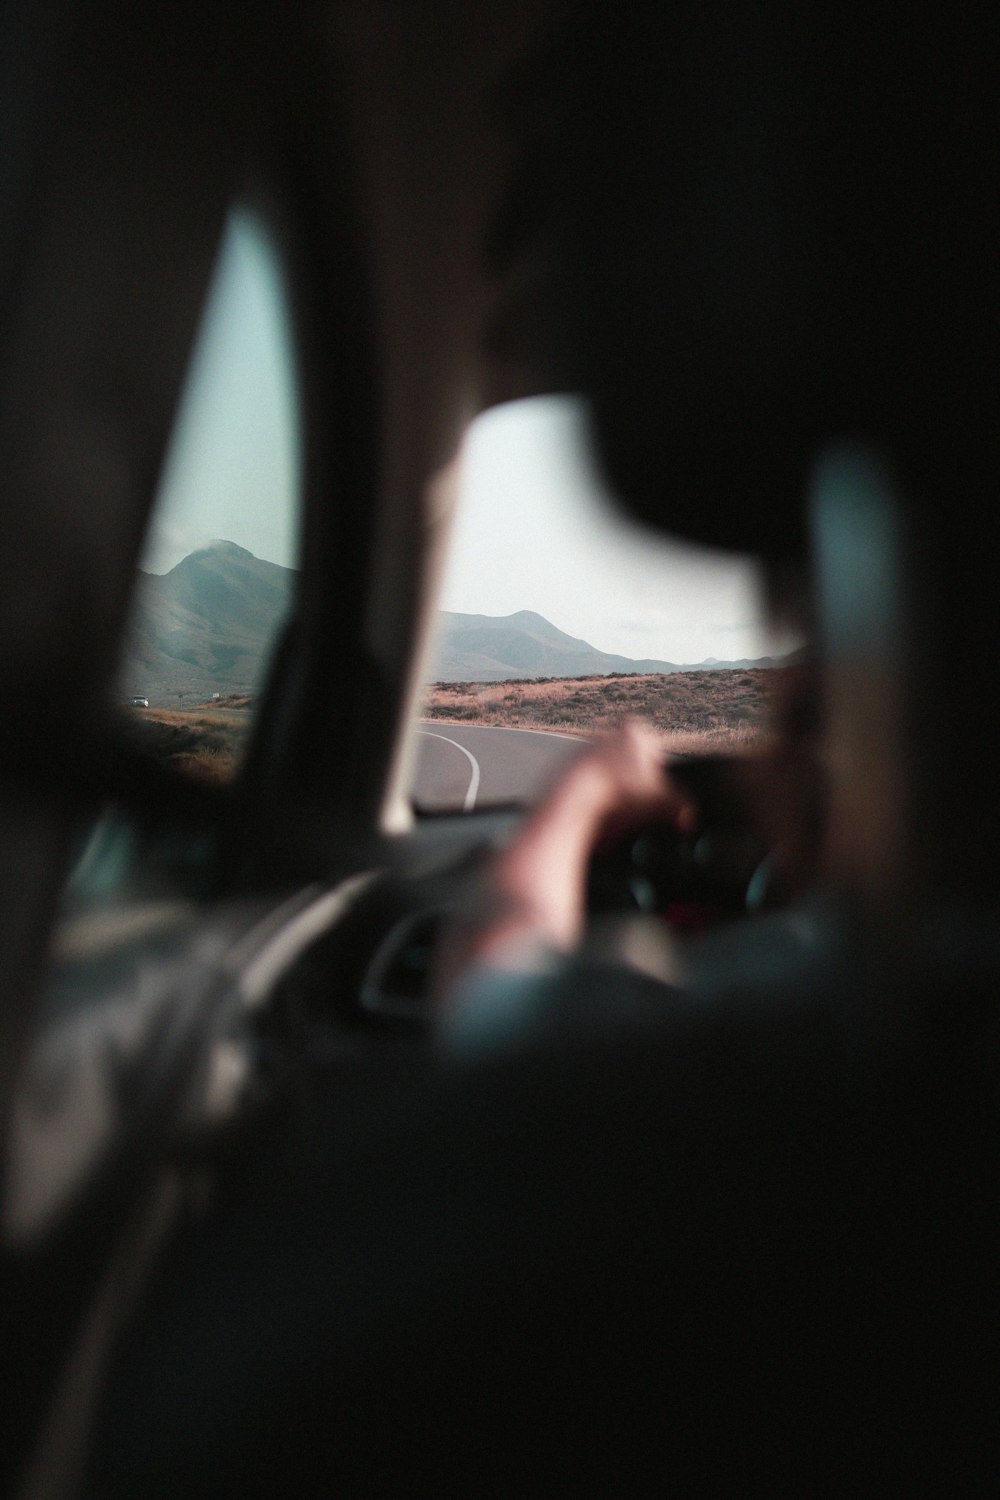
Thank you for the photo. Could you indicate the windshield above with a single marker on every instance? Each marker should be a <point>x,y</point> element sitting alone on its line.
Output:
<point>559,618</point>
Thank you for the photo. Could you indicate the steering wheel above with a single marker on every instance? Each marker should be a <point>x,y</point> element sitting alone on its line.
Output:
<point>694,880</point>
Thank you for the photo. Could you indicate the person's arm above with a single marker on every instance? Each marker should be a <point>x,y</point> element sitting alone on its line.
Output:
<point>531,901</point>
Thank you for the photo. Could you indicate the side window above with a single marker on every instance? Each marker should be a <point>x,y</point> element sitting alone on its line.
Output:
<point>218,571</point>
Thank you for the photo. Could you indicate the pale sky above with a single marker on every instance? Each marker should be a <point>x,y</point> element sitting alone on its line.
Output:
<point>537,530</point>
<point>232,471</point>
<point>534,531</point>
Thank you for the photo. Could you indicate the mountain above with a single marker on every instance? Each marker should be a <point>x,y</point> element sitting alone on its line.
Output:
<point>207,626</point>
<point>712,663</point>
<point>488,648</point>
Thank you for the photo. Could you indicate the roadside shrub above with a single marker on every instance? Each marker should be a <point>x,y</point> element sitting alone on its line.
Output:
<point>197,744</point>
<point>710,708</point>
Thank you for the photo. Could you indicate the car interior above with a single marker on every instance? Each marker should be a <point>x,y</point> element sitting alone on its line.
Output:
<point>261,1232</point>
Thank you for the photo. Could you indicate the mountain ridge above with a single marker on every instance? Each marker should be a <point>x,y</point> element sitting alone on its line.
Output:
<point>206,626</point>
<point>492,648</point>
<point>209,624</point>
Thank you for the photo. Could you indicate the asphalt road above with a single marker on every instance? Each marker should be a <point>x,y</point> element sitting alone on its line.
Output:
<point>462,766</point>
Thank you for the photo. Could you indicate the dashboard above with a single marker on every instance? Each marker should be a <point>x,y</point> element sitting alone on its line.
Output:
<point>207,1011</point>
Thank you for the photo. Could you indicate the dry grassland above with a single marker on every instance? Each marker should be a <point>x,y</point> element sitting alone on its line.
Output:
<point>695,711</point>
<point>206,742</point>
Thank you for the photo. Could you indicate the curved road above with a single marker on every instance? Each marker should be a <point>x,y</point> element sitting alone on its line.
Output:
<point>462,766</point>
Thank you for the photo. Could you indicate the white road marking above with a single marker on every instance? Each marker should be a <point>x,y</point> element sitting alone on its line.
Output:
<point>473,792</point>
<point>550,734</point>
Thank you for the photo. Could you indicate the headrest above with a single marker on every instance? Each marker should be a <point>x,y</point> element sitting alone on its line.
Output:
<point>764,229</point>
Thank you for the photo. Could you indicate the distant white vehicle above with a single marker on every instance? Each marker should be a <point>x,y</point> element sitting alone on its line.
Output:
<point>138,702</point>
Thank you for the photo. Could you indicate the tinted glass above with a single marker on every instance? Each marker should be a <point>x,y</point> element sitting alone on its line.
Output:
<point>218,573</point>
